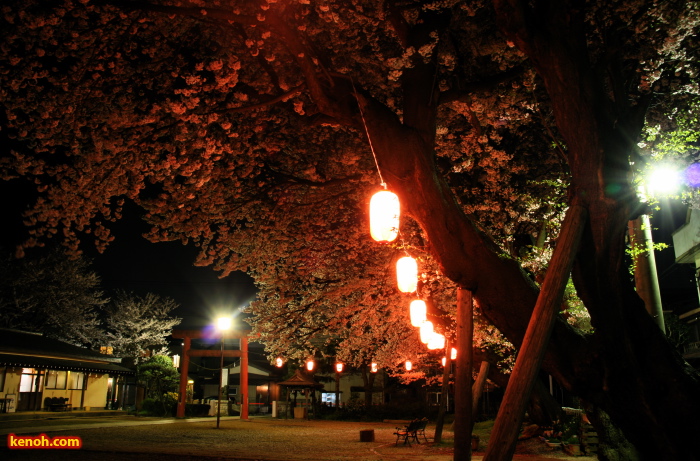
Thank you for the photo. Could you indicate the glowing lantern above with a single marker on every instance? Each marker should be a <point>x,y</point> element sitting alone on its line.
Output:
<point>339,367</point>
<point>384,212</point>
<point>436,341</point>
<point>453,355</point>
<point>373,367</point>
<point>444,361</point>
<point>409,365</point>
<point>310,364</point>
<point>407,274</point>
<point>419,312</point>
<point>426,331</point>
<point>279,362</point>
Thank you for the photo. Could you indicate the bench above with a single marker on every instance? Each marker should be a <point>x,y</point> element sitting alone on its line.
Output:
<point>59,404</point>
<point>413,430</point>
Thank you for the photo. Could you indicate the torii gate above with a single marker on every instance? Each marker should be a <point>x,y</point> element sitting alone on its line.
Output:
<point>187,336</point>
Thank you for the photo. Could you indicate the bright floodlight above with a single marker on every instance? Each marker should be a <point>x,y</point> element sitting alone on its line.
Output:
<point>663,181</point>
<point>224,323</point>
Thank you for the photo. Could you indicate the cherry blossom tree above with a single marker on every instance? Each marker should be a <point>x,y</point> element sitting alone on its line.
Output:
<point>54,295</point>
<point>256,130</point>
<point>137,327</point>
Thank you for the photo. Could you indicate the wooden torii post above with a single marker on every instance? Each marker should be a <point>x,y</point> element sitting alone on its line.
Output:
<point>187,352</point>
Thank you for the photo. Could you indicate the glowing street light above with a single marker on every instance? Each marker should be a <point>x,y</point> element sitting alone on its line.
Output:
<point>338,371</point>
<point>310,364</point>
<point>664,180</point>
<point>223,324</point>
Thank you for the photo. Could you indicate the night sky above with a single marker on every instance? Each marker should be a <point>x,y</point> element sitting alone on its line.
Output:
<point>134,264</point>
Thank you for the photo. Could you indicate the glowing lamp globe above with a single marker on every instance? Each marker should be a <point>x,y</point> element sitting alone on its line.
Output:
<point>310,364</point>
<point>437,341</point>
<point>384,212</point>
<point>409,365</point>
<point>279,362</point>
<point>444,361</point>
<point>426,331</point>
<point>407,274</point>
<point>339,367</point>
<point>419,312</point>
<point>373,367</point>
<point>453,354</point>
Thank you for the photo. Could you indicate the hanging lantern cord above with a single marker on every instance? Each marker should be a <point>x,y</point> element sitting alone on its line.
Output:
<point>364,124</point>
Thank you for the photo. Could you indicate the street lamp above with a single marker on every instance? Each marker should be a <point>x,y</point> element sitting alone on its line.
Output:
<point>223,324</point>
<point>338,371</point>
<point>663,180</point>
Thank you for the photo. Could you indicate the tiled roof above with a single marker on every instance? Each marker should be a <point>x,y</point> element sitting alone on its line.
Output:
<point>22,348</point>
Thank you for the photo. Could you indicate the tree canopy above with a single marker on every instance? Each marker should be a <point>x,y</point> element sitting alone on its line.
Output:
<point>137,327</point>
<point>258,130</point>
<point>47,295</point>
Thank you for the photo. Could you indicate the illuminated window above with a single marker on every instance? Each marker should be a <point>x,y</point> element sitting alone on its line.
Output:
<point>75,380</point>
<point>31,380</point>
<point>56,379</point>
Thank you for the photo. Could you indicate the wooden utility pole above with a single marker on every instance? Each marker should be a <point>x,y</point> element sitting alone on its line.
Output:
<point>463,377</point>
<point>505,431</point>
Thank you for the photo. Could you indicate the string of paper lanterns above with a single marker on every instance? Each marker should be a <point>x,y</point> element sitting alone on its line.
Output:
<point>384,217</point>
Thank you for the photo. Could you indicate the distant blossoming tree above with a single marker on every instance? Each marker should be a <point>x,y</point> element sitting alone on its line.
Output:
<point>55,295</point>
<point>137,327</point>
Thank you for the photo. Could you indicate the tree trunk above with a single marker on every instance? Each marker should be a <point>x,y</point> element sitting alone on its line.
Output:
<point>463,422</point>
<point>527,365</point>
<point>478,388</point>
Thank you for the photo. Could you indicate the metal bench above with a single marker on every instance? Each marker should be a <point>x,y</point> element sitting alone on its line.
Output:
<point>411,431</point>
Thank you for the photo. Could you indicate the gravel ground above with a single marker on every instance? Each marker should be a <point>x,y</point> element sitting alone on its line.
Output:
<point>262,439</point>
